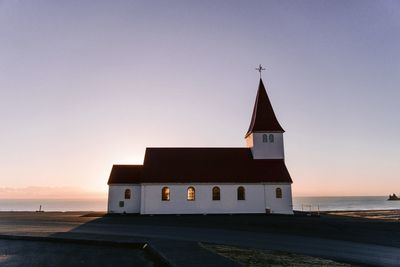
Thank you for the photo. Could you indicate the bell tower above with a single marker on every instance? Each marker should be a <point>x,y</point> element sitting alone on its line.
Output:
<point>265,134</point>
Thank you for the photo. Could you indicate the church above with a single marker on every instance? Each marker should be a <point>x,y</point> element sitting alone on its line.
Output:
<point>210,180</point>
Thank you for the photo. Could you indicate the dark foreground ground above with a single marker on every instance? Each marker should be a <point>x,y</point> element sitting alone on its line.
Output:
<point>42,254</point>
<point>176,238</point>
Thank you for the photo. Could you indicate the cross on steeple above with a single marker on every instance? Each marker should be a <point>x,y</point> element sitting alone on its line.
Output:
<point>260,69</point>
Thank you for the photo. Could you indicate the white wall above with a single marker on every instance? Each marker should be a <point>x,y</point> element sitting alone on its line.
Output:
<point>116,193</point>
<point>267,150</point>
<point>282,205</point>
<point>255,199</point>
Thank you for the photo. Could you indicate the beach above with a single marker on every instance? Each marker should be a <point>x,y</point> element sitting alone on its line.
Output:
<point>387,215</point>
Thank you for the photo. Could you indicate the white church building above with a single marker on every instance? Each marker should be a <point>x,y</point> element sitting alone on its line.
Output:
<point>251,179</point>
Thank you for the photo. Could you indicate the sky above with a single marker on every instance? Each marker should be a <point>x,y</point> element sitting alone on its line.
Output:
<point>88,84</point>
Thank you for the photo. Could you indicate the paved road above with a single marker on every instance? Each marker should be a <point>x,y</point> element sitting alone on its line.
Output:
<point>42,254</point>
<point>334,249</point>
<point>370,254</point>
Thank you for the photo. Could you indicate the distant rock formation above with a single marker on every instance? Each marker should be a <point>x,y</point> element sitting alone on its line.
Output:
<point>393,197</point>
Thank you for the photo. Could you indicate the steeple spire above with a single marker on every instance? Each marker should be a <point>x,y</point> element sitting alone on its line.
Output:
<point>263,118</point>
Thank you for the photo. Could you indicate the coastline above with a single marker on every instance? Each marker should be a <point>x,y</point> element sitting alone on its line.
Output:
<point>387,215</point>
<point>323,204</point>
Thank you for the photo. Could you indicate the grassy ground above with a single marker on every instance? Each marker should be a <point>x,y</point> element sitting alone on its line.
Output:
<point>261,258</point>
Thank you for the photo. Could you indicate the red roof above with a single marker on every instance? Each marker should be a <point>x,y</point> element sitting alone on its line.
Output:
<point>125,174</point>
<point>201,165</point>
<point>263,119</point>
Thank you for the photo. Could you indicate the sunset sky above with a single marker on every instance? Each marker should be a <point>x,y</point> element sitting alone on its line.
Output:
<point>88,84</point>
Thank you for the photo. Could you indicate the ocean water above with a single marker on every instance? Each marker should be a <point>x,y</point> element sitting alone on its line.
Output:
<point>299,203</point>
<point>53,204</point>
<point>344,203</point>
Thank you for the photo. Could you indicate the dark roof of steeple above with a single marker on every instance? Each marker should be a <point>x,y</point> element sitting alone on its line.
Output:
<point>263,119</point>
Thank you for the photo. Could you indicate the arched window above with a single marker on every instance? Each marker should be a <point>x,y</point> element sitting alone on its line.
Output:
<point>265,138</point>
<point>278,193</point>
<point>165,194</point>
<point>127,194</point>
<point>191,193</point>
<point>216,193</point>
<point>241,193</point>
<point>271,138</point>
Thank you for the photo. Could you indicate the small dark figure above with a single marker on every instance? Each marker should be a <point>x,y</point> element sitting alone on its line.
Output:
<point>40,209</point>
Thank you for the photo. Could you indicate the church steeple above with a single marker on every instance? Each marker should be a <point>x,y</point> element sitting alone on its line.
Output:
<point>263,118</point>
<point>265,134</point>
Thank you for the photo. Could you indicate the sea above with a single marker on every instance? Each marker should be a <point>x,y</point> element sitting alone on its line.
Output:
<point>299,203</point>
<point>344,203</point>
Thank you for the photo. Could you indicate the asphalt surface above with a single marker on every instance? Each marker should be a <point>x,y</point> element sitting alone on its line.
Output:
<point>372,242</point>
<point>43,254</point>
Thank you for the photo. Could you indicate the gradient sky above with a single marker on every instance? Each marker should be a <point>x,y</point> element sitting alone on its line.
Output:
<point>87,84</point>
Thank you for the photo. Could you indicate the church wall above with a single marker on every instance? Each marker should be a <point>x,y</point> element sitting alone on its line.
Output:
<point>282,205</point>
<point>116,193</point>
<point>255,199</point>
<point>266,150</point>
